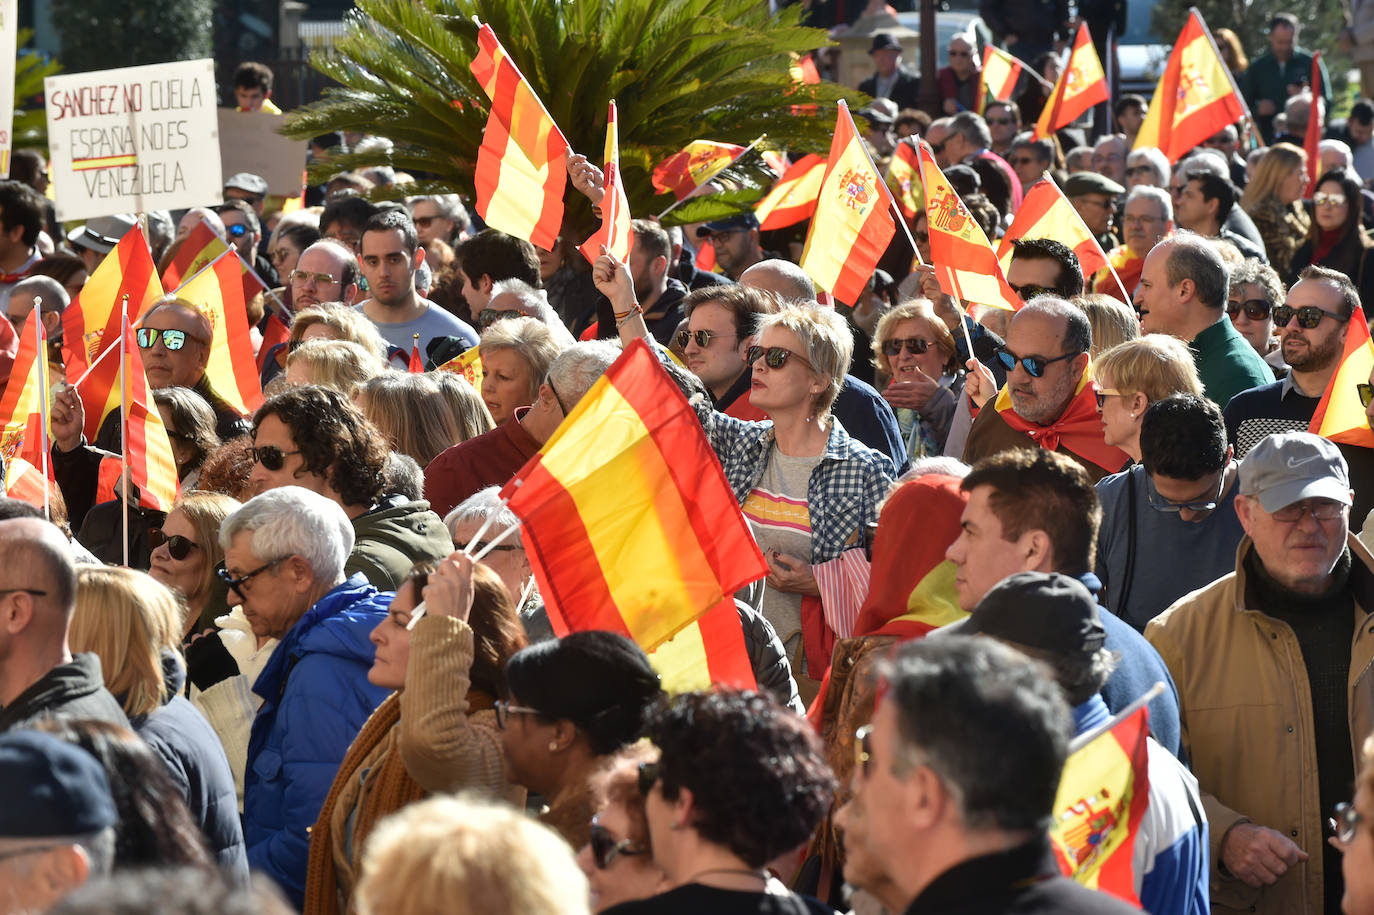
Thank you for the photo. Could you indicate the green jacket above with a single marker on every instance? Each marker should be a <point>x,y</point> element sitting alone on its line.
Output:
<point>392,537</point>
<point>1226,363</point>
<point>1266,78</point>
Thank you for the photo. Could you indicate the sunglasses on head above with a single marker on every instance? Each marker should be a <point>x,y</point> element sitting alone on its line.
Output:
<point>775,357</point>
<point>1255,309</point>
<point>914,345</point>
<point>489,316</point>
<point>178,547</point>
<point>1309,316</point>
<point>703,338</point>
<point>172,340</point>
<point>606,848</point>
<point>1034,365</point>
<point>270,457</point>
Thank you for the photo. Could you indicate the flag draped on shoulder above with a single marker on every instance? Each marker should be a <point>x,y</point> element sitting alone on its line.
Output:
<point>1078,429</point>
<point>1103,795</point>
<point>1081,85</point>
<point>793,198</point>
<point>997,80</point>
<point>959,249</point>
<point>692,166</point>
<point>1340,415</point>
<point>217,293</point>
<point>904,179</point>
<point>1316,117</point>
<point>1196,95</point>
<point>631,526</point>
<point>520,174</point>
<point>852,224</point>
<point>616,233</point>
<point>1047,213</point>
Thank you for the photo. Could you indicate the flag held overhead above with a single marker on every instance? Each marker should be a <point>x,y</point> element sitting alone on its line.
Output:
<point>616,234</point>
<point>1081,85</point>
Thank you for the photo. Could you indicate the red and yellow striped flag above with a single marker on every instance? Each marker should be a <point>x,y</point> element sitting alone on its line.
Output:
<point>147,447</point>
<point>467,364</point>
<point>24,481</point>
<point>793,198</point>
<point>998,77</point>
<point>197,249</point>
<point>631,527</point>
<point>1340,416</point>
<point>853,223</point>
<point>1081,85</point>
<point>1103,794</point>
<point>904,179</point>
<point>1047,213</point>
<point>25,400</point>
<point>520,173</point>
<point>692,166</point>
<point>217,292</point>
<point>616,233</point>
<point>1316,117</point>
<point>1195,96</point>
<point>959,249</point>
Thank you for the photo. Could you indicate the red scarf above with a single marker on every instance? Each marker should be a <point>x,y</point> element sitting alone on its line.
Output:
<point>1327,240</point>
<point>1078,429</point>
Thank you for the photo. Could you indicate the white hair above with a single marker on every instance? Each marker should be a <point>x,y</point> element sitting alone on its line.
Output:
<point>293,521</point>
<point>477,508</point>
<point>1339,146</point>
<point>535,303</point>
<point>579,366</point>
<point>1153,158</point>
<point>1158,195</point>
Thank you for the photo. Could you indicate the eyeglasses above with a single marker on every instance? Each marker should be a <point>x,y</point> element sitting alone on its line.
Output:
<point>1366,394</point>
<point>306,276</point>
<point>1345,823</point>
<point>1101,395</point>
<point>605,847</point>
<point>504,711</point>
<point>1320,509</point>
<point>938,148</point>
<point>1255,309</point>
<point>238,230</point>
<point>914,345</point>
<point>270,457</point>
<point>1309,316</point>
<point>1140,170</point>
<point>1034,365</point>
<point>489,316</point>
<point>178,547</point>
<point>775,357</point>
<point>173,340</point>
<point>703,338</point>
<point>1029,291</point>
<point>648,777</point>
<point>863,750</point>
<point>1321,198</point>
<point>236,584</point>
<point>424,222</point>
<point>1161,504</point>
<point>1137,220</point>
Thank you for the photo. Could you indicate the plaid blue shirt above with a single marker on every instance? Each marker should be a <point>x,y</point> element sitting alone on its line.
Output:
<point>845,489</point>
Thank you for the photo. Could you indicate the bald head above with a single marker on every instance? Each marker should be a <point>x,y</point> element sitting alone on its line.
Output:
<point>783,278</point>
<point>30,290</point>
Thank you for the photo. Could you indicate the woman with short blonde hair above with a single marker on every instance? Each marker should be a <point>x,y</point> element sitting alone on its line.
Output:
<point>339,364</point>
<point>915,350</point>
<point>1112,320</point>
<point>1132,375</point>
<point>516,354</point>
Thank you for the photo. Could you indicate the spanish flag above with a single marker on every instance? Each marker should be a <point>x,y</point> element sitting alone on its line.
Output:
<point>692,166</point>
<point>147,447</point>
<point>959,249</point>
<point>24,481</point>
<point>197,249</point>
<point>631,527</point>
<point>998,77</point>
<point>275,333</point>
<point>1078,429</point>
<point>520,174</point>
<point>416,366</point>
<point>1316,117</point>
<point>1340,416</point>
<point>852,224</point>
<point>904,179</point>
<point>616,233</point>
<point>1196,96</point>
<point>1047,213</point>
<point>1103,794</point>
<point>217,291</point>
<point>467,364</point>
<point>793,198</point>
<point>24,404</point>
<point>803,72</point>
<point>90,325</point>
<point>1081,85</point>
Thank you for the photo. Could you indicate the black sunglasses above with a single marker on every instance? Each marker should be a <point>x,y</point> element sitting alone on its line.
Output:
<point>236,584</point>
<point>489,316</point>
<point>606,848</point>
<point>178,547</point>
<point>775,357</point>
<point>1309,316</point>
<point>270,457</point>
<point>648,777</point>
<point>703,338</point>
<point>1255,309</point>
<point>938,148</point>
<point>1030,291</point>
<point>1366,394</point>
<point>1034,365</point>
<point>914,345</point>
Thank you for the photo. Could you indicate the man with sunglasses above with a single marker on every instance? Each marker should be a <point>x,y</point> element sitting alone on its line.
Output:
<point>1184,286</point>
<point>1004,123</point>
<point>1312,324</point>
<point>243,230</point>
<point>959,82</point>
<point>1275,670</point>
<point>284,566</point>
<point>1095,197</point>
<point>721,323</point>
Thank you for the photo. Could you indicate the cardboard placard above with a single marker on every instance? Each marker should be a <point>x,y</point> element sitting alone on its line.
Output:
<point>134,139</point>
<point>9,36</point>
<point>249,142</point>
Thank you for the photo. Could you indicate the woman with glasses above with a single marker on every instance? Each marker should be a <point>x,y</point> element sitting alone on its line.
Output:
<point>1353,828</point>
<point>1132,375</point>
<point>133,624</point>
<point>618,859</point>
<point>915,350</point>
<point>443,648</point>
<point>739,783</point>
<point>574,702</point>
<point>1337,239</point>
<point>1272,198</point>
<point>516,354</point>
<point>186,551</point>
<point>1256,291</point>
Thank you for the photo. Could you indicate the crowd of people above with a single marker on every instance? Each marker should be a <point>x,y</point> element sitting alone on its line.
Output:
<point>990,537</point>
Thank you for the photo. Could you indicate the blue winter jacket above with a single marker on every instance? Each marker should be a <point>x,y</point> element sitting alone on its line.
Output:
<point>315,699</point>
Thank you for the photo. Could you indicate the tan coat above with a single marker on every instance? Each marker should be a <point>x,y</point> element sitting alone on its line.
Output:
<point>1247,723</point>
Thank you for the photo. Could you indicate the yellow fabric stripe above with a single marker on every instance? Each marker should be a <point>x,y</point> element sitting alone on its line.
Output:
<point>681,662</point>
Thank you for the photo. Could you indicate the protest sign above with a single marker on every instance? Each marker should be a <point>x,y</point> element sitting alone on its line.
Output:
<point>249,142</point>
<point>134,139</point>
<point>9,37</point>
